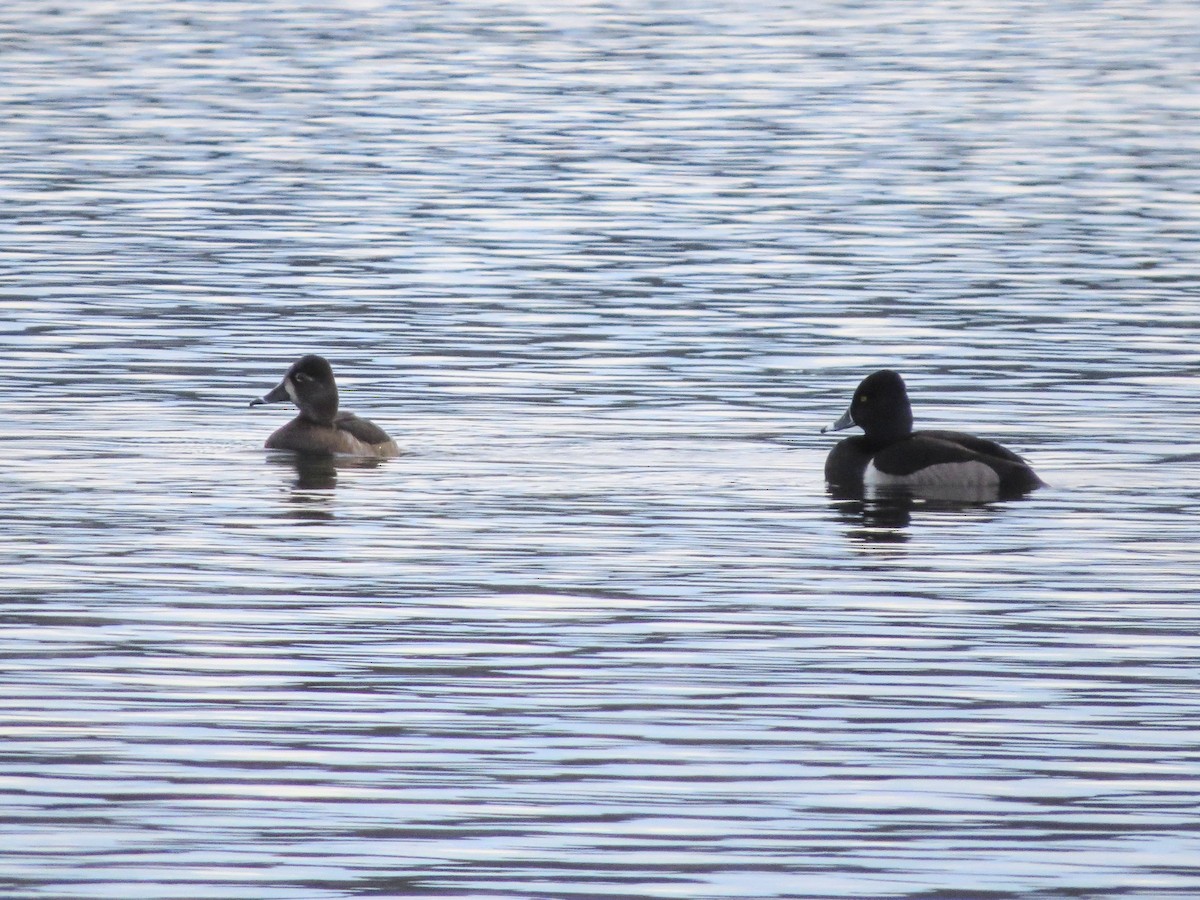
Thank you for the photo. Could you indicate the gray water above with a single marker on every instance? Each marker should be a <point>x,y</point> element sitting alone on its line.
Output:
<point>603,270</point>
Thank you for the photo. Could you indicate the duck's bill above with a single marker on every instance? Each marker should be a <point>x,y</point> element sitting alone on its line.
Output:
<point>279,395</point>
<point>844,422</point>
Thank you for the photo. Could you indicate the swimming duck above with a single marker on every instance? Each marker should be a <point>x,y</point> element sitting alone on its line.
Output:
<point>890,454</point>
<point>320,428</point>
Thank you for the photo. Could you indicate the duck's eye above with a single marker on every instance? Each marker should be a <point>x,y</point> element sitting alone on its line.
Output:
<point>301,377</point>
<point>863,398</point>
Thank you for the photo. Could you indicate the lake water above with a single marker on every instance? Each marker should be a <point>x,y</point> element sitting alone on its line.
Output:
<point>603,270</point>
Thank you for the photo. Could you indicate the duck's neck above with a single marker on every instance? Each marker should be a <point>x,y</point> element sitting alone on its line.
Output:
<point>320,414</point>
<point>895,430</point>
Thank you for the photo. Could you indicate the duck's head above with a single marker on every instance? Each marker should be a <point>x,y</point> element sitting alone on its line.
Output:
<point>880,408</point>
<point>309,384</point>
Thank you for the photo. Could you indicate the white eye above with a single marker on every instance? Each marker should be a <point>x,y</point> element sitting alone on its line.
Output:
<point>301,377</point>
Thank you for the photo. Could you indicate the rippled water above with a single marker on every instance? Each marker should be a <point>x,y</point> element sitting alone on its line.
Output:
<point>603,270</point>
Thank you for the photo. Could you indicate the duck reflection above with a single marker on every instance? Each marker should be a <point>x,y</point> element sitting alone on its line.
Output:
<point>881,516</point>
<point>875,520</point>
<point>316,477</point>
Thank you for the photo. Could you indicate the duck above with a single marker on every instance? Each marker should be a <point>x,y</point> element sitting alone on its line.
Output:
<point>320,428</point>
<point>889,454</point>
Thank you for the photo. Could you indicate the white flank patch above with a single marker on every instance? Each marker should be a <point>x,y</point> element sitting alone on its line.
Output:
<point>943,475</point>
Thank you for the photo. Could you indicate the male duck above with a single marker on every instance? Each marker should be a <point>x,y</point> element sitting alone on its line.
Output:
<point>891,454</point>
<point>320,428</point>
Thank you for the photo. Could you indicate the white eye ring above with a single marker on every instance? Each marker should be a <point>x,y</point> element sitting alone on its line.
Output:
<point>301,377</point>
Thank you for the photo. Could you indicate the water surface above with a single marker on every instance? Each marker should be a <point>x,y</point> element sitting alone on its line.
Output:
<point>603,270</point>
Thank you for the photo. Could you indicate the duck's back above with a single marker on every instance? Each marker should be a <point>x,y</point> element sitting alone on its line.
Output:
<point>948,458</point>
<point>347,435</point>
<point>366,432</point>
<point>979,445</point>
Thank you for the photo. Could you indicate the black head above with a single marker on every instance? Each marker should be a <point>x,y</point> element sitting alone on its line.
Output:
<point>309,384</point>
<point>880,408</point>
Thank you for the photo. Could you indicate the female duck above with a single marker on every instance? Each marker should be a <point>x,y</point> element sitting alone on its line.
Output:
<point>320,428</point>
<point>891,454</point>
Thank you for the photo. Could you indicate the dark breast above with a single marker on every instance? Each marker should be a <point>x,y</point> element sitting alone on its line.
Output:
<point>847,461</point>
